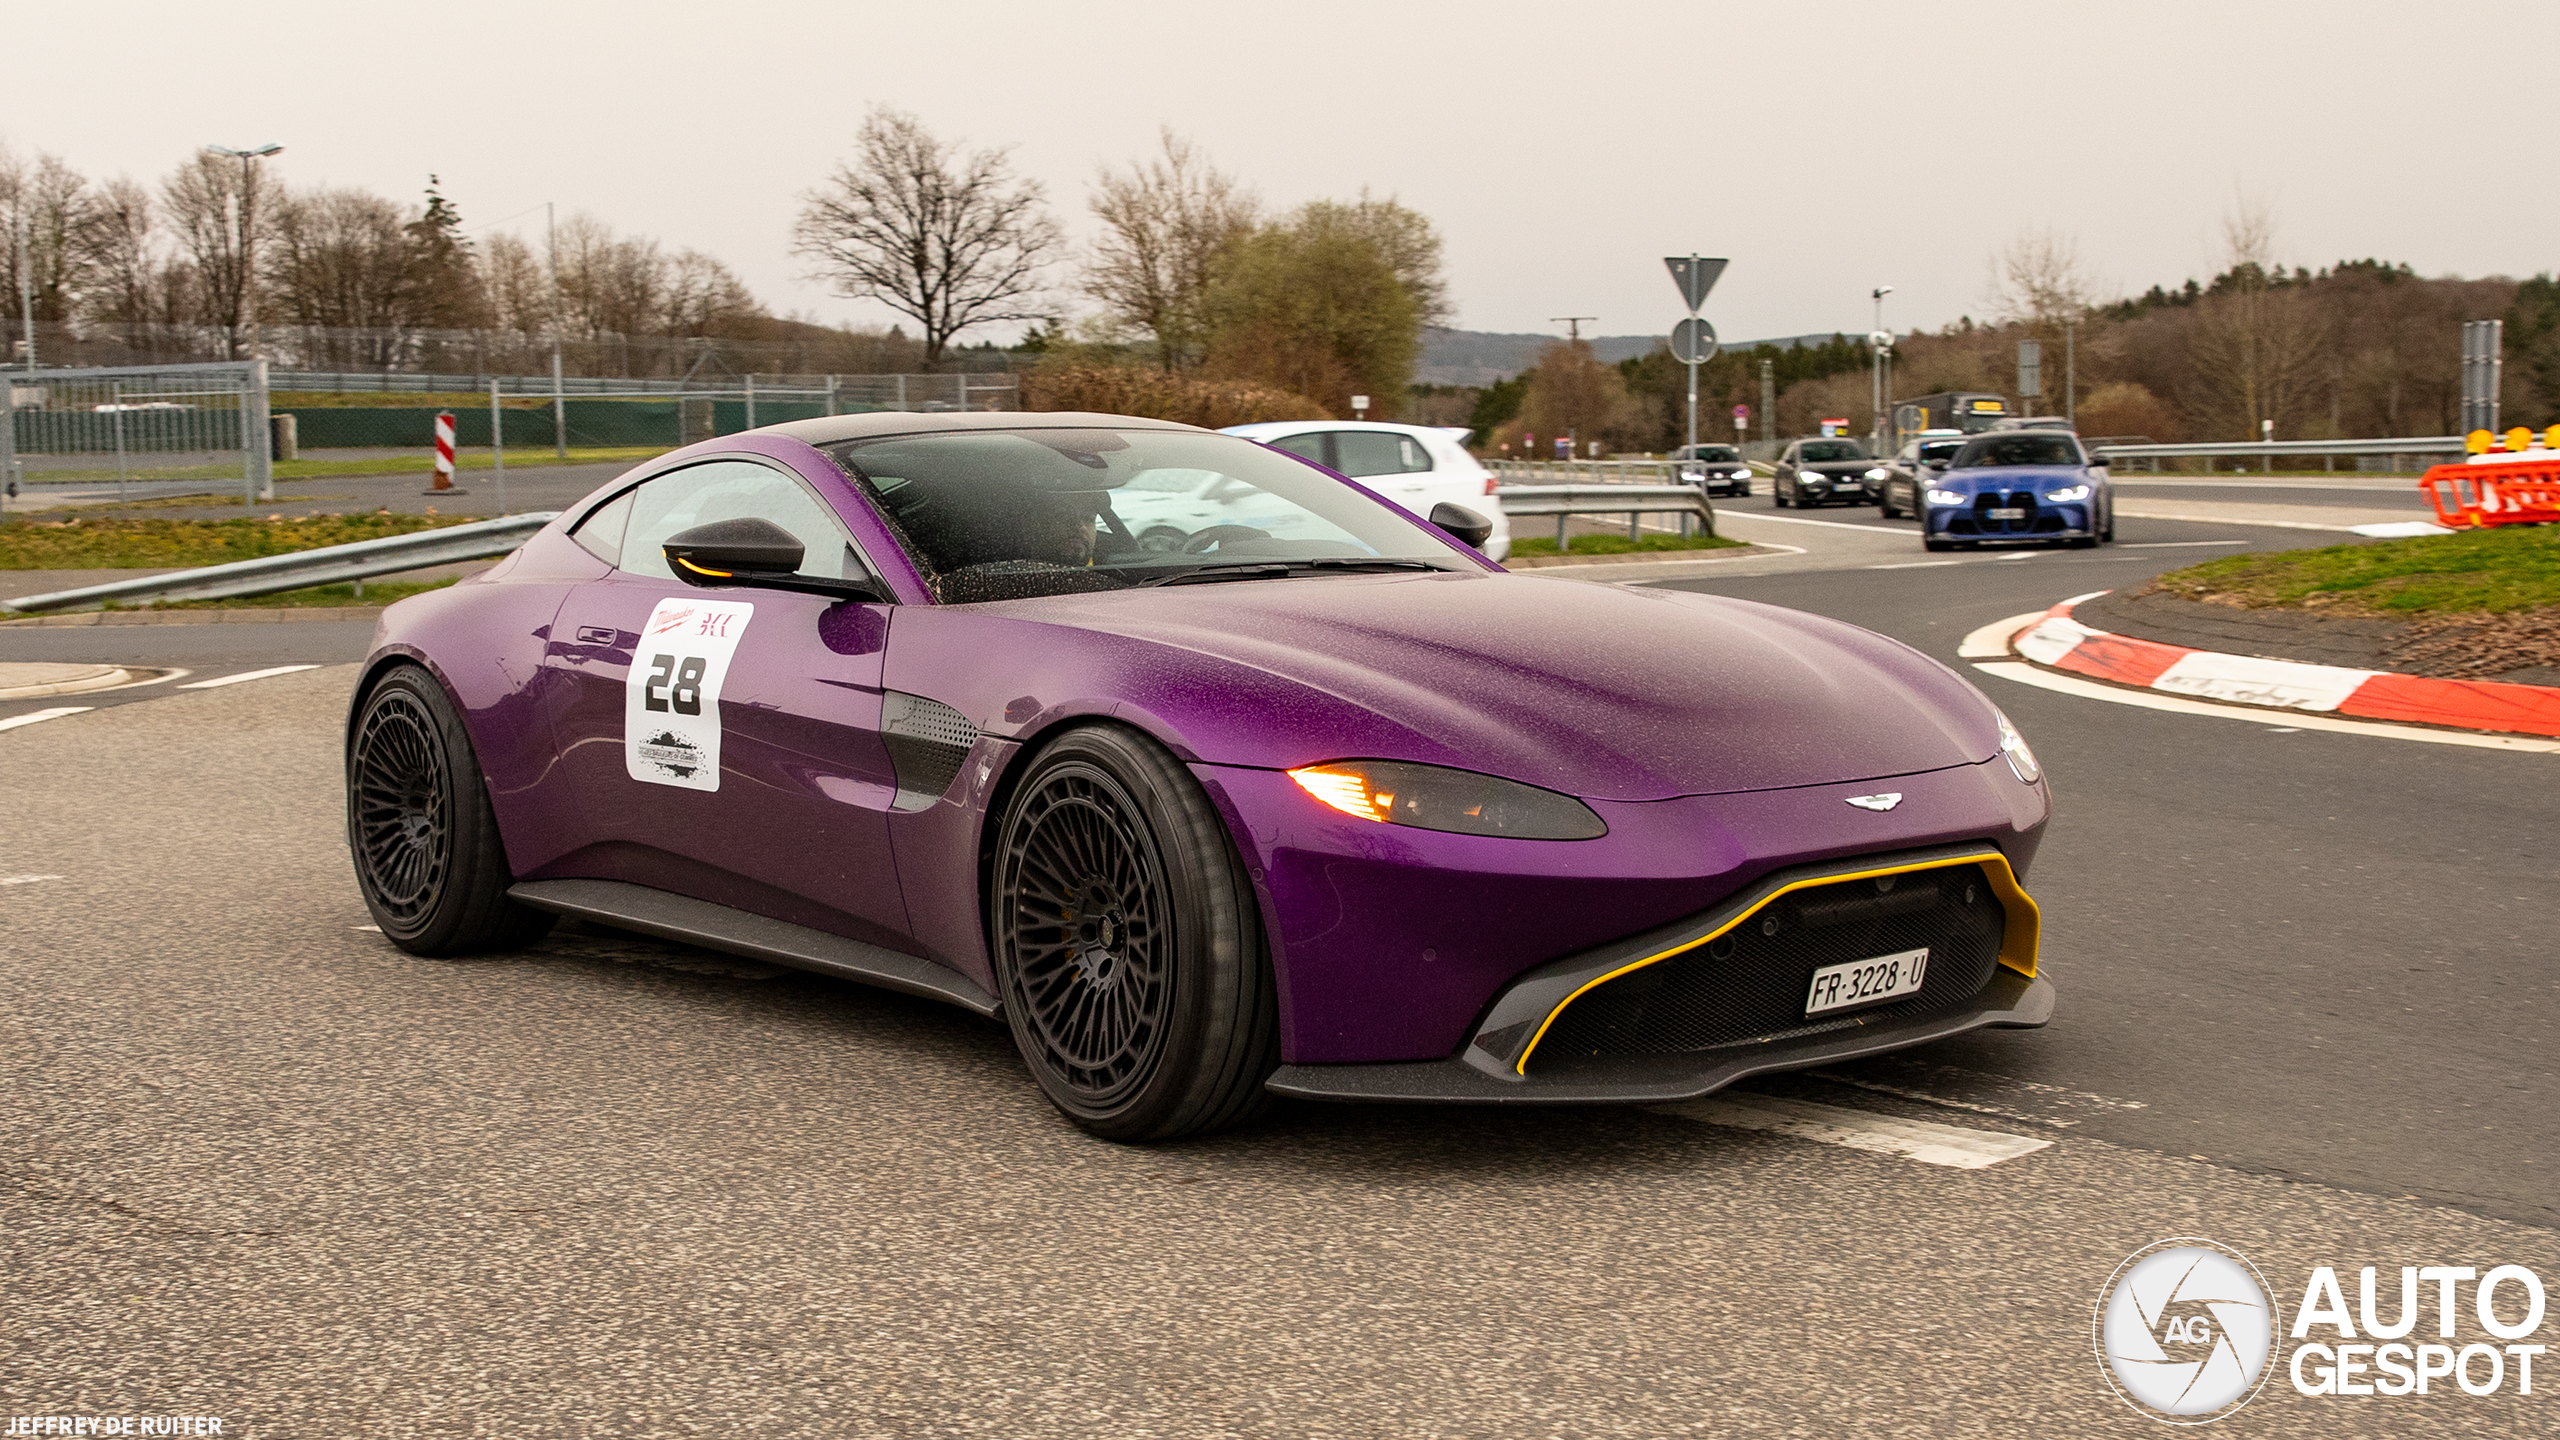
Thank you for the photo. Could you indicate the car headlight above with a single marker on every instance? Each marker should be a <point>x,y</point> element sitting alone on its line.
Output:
<point>1433,797</point>
<point>2013,748</point>
<point>1944,497</point>
<point>1741,474</point>
<point>1877,474</point>
<point>2068,492</point>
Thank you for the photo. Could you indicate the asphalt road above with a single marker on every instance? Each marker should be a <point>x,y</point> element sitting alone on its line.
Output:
<point>260,1165</point>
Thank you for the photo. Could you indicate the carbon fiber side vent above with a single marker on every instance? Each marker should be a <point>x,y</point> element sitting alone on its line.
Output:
<point>928,741</point>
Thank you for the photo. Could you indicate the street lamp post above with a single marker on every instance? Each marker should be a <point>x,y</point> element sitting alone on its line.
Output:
<point>245,327</point>
<point>1879,340</point>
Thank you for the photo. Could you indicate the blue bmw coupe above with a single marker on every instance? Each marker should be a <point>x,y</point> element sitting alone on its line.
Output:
<point>2019,486</point>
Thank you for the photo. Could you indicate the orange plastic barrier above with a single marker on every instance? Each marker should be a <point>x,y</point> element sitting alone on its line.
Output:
<point>2511,492</point>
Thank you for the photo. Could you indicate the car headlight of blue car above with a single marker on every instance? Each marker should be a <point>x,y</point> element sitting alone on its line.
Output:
<point>1945,497</point>
<point>2066,494</point>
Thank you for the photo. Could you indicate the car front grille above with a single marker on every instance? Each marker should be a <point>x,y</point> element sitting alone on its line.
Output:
<point>2022,500</point>
<point>1751,984</point>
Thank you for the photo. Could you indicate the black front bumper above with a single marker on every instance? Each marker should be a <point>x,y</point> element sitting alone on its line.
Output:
<point>1495,1067</point>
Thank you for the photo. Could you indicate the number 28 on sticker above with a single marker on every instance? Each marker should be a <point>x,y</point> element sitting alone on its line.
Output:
<point>671,700</point>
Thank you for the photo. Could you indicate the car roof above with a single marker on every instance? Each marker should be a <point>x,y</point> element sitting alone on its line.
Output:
<point>831,429</point>
<point>1265,429</point>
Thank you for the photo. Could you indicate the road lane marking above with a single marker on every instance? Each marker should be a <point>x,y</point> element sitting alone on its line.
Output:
<point>25,879</point>
<point>33,716</point>
<point>2026,1092</point>
<point>221,680</point>
<point>1991,642</point>
<point>2026,674</point>
<point>1858,1130</point>
<point>2178,544</point>
<point>1830,524</point>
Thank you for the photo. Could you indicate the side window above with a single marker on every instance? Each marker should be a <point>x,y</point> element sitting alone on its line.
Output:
<point>1377,452</point>
<point>601,531</point>
<point>1305,447</point>
<point>733,490</point>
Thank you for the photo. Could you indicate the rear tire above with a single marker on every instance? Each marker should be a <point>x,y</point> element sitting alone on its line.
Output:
<point>428,857</point>
<point>1128,946</point>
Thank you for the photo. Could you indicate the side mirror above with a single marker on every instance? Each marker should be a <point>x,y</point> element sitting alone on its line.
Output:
<point>1463,523</point>
<point>756,554</point>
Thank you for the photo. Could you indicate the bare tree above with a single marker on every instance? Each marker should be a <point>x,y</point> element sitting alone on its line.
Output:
<point>1167,221</point>
<point>213,205</point>
<point>946,238</point>
<point>2040,279</point>
<point>128,277</point>
<point>2257,346</point>
<point>341,260</point>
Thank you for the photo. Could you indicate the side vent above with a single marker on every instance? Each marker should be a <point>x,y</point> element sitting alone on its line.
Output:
<point>928,742</point>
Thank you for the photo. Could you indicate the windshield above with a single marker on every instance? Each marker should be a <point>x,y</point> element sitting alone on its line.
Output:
<point>1942,451</point>
<point>1722,454</point>
<point>1010,514</point>
<point>2018,448</point>
<point>1817,451</point>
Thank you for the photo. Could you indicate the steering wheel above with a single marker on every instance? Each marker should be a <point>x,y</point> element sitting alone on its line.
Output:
<point>1217,535</point>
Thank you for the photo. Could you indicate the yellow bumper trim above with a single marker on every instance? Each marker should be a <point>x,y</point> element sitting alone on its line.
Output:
<point>2018,939</point>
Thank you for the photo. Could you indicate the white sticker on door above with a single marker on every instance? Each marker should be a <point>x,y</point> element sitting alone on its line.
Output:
<point>671,702</point>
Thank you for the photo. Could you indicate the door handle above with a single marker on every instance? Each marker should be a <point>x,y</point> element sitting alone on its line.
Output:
<point>598,635</point>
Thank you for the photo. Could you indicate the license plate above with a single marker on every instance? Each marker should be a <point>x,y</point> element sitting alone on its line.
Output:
<point>1866,982</point>
<point>2005,512</point>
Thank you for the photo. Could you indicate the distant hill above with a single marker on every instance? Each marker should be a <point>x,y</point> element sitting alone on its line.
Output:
<point>1481,357</point>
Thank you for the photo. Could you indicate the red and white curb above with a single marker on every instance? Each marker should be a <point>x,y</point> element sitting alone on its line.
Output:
<point>2058,641</point>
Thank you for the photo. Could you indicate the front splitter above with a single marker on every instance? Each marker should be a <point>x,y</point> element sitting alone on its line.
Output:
<point>2009,1001</point>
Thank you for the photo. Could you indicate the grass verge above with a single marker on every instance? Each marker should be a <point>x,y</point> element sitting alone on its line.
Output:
<point>403,462</point>
<point>375,592</point>
<point>2515,567</point>
<point>146,544</point>
<point>1620,544</point>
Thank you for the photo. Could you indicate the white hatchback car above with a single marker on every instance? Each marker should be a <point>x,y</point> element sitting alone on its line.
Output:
<point>1413,466</point>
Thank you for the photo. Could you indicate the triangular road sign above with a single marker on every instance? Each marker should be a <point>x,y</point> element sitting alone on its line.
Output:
<point>1694,276</point>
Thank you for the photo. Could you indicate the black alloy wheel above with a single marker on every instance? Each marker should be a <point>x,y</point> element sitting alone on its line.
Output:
<point>1128,945</point>
<point>427,853</point>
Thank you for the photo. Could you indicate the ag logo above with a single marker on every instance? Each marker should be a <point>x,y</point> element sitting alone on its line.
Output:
<point>2184,1330</point>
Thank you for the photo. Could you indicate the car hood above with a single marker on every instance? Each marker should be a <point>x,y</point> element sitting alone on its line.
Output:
<point>1838,467</point>
<point>2012,477</point>
<point>1593,690</point>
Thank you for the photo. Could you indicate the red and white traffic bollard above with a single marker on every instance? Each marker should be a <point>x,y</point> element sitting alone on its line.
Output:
<point>444,457</point>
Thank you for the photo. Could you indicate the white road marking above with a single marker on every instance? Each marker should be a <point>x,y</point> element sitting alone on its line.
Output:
<point>2027,1092</point>
<point>1991,642</point>
<point>2231,520</point>
<point>376,929</point>
<point>1830,524</point>
<point>33,716</point>
<point>1857,1130</point>
<point>2026,674</point>
<point>25,879</point>
<point>219,681</point>
<point>2401,529</point>
<point>1917,565</point>
<point>2178,544</point>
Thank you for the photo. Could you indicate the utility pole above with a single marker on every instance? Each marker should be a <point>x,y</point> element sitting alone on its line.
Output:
<point>559,400</point>
<point>1880,341</point>
<point>2071,372</point>
<point>1769,401</point>
<point>27,289</point>
<point>1572,324</point>
<point>245,327</point>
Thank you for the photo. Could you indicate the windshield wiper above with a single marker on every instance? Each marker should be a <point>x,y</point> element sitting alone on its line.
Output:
<point>1281,570</point>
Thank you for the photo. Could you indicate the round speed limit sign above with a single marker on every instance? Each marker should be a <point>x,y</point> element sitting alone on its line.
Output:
<point>1693,341</point>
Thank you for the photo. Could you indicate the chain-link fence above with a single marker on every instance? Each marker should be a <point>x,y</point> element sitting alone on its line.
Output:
<point>148,428</point>
<point>355,410</point>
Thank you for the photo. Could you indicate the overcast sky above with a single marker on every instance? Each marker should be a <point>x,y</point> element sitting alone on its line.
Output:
<point>1825,146</point>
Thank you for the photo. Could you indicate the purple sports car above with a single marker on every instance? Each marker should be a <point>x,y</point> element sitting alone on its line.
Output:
<point>1318,802</point>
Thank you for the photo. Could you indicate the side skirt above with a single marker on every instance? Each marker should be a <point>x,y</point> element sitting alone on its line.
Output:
<point>756,937</point>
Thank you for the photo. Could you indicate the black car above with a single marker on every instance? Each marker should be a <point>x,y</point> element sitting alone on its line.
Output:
<point>1824,472</point>
<point>1898,493</point>
<point>1720,468</point>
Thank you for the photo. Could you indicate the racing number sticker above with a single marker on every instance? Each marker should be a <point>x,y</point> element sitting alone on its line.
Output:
<point>671,700</point>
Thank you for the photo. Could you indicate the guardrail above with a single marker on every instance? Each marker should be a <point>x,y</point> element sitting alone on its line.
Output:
<point>329,565</point>
<point>1634,501</point>
<point>2275,449</point>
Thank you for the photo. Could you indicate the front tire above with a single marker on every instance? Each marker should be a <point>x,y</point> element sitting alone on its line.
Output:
<point>1128,946</point>
<point>428,857</point>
